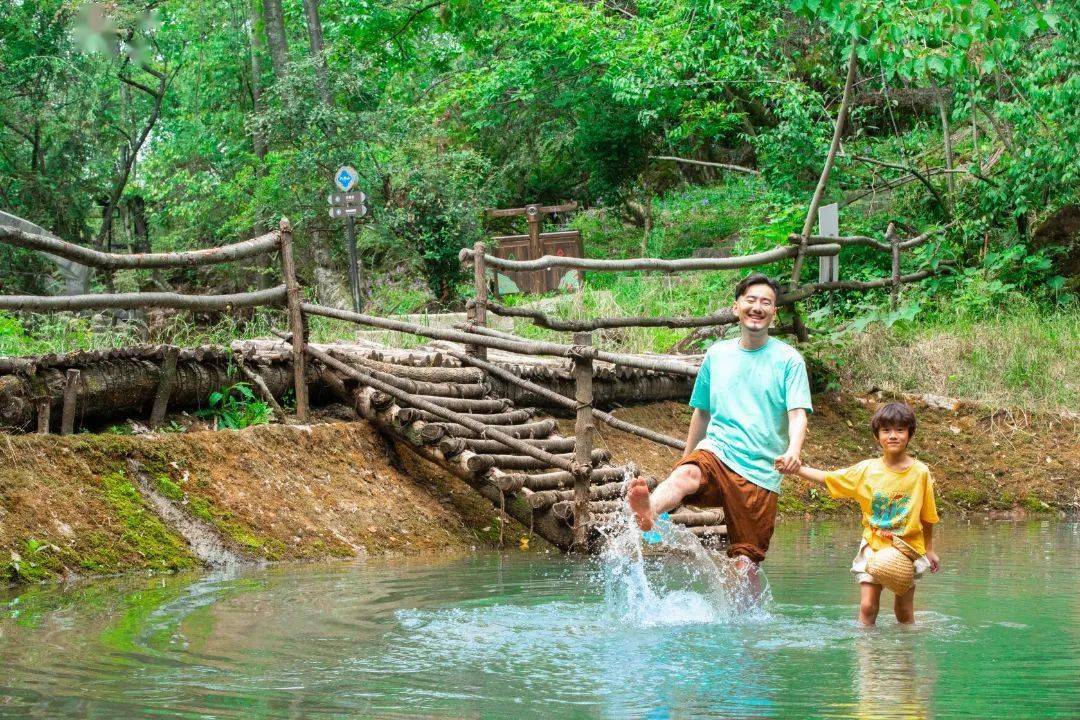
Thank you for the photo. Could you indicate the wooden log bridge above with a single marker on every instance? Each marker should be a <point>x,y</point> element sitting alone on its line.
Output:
<point>486,422</point>
<point>509,454</point>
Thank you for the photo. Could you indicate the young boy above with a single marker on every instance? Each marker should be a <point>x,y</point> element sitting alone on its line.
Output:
<point>896,495</point>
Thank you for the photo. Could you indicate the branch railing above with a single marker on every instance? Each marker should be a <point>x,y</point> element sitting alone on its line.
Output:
<point>279,240</point>
<point>474,335</point>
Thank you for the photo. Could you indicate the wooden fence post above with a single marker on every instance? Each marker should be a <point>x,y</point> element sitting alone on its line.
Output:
<point>480,285</point>
<point>583,436</point>
<point>43,408</point>
<point>164,388</point>
<point>296,320</point>
<point>71,391</point>
<point>894,245</point>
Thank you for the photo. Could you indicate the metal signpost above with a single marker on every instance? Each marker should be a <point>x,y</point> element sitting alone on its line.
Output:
<point>349,205</point>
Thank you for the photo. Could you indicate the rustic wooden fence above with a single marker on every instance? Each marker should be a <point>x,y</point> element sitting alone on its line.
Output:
<point>279,240</point>
<point>575,471</point>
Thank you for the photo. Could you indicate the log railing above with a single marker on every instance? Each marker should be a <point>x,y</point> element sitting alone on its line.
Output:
<point>487,432</point>
<point>816,245</point>
<point>287,293</point>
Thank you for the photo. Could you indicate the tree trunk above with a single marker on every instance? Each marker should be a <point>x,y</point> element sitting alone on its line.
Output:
<point>258,142</point>
<point>276,40</point>
<point>315,36</point>
<point>125,387</point>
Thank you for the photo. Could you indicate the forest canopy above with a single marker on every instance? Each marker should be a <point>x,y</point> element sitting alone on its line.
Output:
<point>184,124</point>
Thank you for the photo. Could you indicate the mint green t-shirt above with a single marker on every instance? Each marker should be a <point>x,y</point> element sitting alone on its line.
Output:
<point>747,394</point>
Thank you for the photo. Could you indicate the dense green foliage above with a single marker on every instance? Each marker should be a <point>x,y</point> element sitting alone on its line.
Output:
<point>172,125</point>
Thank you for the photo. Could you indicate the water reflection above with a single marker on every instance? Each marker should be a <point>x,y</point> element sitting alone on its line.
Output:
<point>524,637</point>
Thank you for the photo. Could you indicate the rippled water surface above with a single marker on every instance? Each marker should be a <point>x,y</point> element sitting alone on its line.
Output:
<point>998,635</point>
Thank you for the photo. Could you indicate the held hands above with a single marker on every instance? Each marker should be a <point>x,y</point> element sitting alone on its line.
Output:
<point>788,463</point>
<point>935,562</point>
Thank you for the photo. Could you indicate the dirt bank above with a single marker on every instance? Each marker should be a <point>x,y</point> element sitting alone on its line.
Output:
<point>73,506</point>
<point>983,461</point>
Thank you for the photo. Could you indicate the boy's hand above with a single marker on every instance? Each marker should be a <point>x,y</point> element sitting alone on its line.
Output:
<point>935,561</point>
<point>788,463</point>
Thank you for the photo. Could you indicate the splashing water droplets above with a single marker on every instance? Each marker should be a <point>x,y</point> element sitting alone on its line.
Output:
<point>676,581</point>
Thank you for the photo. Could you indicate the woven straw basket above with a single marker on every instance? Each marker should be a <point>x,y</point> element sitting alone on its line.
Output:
<point>894,566</point>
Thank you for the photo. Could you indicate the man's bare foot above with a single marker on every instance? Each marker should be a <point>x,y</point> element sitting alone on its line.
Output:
<point>637,496</point>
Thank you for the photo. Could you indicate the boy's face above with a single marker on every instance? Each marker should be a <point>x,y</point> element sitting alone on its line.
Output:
<point>756,307</point>
<point>893,439</point>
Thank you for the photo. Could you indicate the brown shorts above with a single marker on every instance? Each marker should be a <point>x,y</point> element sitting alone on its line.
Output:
<point>749,509</point>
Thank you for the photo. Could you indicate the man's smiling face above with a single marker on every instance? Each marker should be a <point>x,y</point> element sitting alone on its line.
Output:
<point>756,307</point>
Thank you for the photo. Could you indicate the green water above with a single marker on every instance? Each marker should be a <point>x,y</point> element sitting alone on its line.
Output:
<point>998,635</point>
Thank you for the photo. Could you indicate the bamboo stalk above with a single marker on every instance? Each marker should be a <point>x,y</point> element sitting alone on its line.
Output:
<point>687,264</point>
<point>894,292</point>
<point>164,388</point>
<point>118,261</point>
<point>131,301</point>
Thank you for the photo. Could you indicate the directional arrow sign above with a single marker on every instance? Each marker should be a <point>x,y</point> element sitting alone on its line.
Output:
<point>349,210</point>
<point>345,178</point>
<point>355,198</point>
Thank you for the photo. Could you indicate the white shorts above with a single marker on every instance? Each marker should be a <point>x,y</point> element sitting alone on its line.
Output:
<point>858,565</point>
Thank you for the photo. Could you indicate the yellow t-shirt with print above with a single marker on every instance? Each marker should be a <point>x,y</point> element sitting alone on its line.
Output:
<point>895,502</point>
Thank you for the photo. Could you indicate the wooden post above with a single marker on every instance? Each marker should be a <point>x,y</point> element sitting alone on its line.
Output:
<point>164,388</point>
<point>296,321</point>
<point>71,391</point>
<point>894,244</point>
<point>583,438</point>
<point>480,285</point>
<point>43,414</point>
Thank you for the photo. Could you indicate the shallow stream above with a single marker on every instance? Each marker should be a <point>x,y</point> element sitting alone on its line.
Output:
<point>526,636</point>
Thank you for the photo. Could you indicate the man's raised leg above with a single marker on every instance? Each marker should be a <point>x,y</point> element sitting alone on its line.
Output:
<point>683,481</point>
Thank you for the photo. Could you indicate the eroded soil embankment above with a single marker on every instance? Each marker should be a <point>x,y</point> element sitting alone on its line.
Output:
<point>73,506</point>
<point>983,461</point>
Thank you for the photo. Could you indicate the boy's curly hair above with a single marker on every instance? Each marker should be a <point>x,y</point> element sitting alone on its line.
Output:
<point>894,415</point>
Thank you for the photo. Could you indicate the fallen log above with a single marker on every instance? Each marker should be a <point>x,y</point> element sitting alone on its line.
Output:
<point>471,405</point>
<point>537,429</point>
<point>605,491</point>
<point>455,445</point>
<point>479,463</point>
<point>514,417</point>
<point>117,388</point>
<point>439,375</point>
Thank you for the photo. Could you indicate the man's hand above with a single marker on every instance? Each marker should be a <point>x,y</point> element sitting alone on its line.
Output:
<point>935,561</point>
<point>788,463</point>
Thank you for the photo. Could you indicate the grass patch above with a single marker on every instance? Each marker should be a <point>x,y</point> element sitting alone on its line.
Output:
<point>1025,359</point>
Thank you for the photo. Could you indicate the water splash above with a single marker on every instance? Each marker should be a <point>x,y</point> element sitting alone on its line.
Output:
<point>675,581</point>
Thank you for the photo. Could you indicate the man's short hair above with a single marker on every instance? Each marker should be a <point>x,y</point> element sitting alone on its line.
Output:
<point>756,279</point>
<point>894,415</point>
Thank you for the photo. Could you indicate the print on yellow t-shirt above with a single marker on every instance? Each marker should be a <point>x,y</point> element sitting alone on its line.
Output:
<point>896,503</point>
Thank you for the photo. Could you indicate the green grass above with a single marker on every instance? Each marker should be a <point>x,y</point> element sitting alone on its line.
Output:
<point>1025,358</point>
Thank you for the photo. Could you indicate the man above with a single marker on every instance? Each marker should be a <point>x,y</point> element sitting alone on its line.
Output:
<point>750,403</point>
